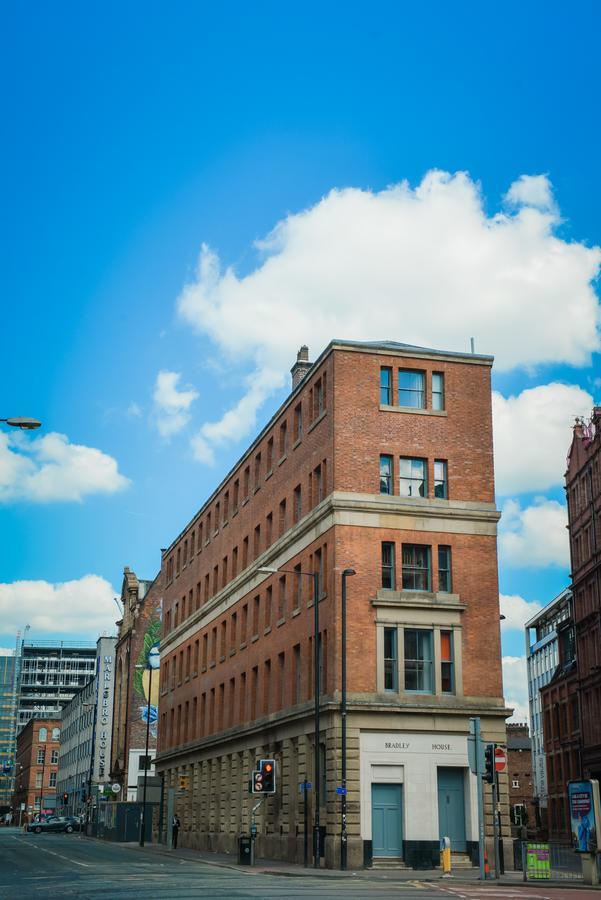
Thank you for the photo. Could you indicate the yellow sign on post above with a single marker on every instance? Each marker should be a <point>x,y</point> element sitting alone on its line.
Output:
<point>184,782</point>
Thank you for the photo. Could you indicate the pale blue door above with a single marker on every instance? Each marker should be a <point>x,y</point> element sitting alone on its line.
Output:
<point>451,807</point>
<point>386,819</point>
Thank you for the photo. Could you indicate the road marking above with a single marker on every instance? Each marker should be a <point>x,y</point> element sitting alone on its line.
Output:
<point>51,852</point>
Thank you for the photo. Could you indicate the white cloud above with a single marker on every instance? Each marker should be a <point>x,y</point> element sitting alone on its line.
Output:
<point>237,421</point>
<point>531,190</point>
<point>534,537</point>
<point>428,262</point>
<point>532,432</point>
<point>517,611</point>
<point>84,606</point>
<point>6,651</point>
<point>515,687</point>
<point>50,468</point>
<point>171,404</point>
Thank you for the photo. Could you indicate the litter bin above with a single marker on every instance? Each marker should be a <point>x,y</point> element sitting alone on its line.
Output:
<point>245,850</point>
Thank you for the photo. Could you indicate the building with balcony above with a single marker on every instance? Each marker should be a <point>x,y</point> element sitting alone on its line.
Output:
<point>51,672</point>
<point>380,460</point>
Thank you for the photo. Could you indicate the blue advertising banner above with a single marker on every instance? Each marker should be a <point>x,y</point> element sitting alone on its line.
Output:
<point>583,799</point>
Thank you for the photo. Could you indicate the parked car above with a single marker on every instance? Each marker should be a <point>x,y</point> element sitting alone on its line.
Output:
<point>54,823</point>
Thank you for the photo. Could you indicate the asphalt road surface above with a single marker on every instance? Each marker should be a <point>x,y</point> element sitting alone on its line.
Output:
<point>62,866</point>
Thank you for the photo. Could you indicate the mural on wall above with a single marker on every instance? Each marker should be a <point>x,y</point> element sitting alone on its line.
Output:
<point>146,678</point>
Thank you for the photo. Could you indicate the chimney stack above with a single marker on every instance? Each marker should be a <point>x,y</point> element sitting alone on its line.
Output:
<point>301,366</point>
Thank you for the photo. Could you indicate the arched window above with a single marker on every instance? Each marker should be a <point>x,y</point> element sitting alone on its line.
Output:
<point>56,734</point>
<point>43,735</point>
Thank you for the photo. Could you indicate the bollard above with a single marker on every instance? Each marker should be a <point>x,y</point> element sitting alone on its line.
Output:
<point>445,856</point>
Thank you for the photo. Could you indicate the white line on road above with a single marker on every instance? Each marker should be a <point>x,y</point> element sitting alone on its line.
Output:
<point>52,852</point>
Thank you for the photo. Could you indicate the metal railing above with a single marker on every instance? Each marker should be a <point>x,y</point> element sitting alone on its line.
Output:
<point>547,861</point>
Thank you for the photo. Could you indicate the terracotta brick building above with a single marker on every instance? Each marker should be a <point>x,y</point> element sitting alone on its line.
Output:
<point>136,655</point>
<point>583,490</point>
<point>520,780</point>
<point>36,768</point>
<point>381,460</point>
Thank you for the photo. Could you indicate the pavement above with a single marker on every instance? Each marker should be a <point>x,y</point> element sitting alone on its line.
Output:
<point>512,879</point>
<point>51,866</point>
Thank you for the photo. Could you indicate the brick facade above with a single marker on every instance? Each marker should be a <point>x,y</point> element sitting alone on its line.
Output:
<point>237,652</point>
<point>138,635</point>
<point>523,810</point>
<point>583,490</point>
<point>37,768</point>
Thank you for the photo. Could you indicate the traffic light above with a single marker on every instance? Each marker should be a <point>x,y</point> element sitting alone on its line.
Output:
<point>489,763</point>
<point>257,782</point>
<point>65,798</point>
<point>267,770</point>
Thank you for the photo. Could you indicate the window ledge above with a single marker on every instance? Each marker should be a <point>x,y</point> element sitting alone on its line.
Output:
<point>234,513</point>
<point>207,542</point>
<point>212,664</point>
<point>216,532</point>
<point>267,630</point>
<point>413,409</point>
<point>243,645</point>
<point>280,622</point>
<point>256,488</point>
<point>254,638</point>
<point>245,501</point>
<point>316,422</point>
<point>296,612</point>
<point>222,659</point>
<point>233,651</point>
<point>224,523</point>
<point>438,600</point>
<point>297,443</point>
<point>204,669</point>
<point>269,474</point>
<point>282,459</point>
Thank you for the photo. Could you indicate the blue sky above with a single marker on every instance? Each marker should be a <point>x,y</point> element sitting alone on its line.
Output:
<point>135,133</point>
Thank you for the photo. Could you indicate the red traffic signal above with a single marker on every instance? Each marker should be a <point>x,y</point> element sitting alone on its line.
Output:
<point>267,770</point>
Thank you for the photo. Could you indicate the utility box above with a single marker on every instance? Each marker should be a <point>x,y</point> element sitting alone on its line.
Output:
<point>245,850</point>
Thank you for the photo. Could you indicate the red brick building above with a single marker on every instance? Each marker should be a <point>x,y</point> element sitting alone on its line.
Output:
<point>520,780</point>
<point>136,678</point>
<point>583,490</point>
<point>36,768</point>
<point>381,460</point>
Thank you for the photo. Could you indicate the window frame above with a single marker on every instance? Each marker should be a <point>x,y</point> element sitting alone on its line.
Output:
<point>412,571</point>
<point>387,478</point>
<point>391,662</point>
<point>405,393</point>
<point>421,633</point>
<point>445,573</point>
<point>385,374</point>
<point>388,568</point>
<point>439,393</point>
<point>444,481</point>
<point>411,479</point>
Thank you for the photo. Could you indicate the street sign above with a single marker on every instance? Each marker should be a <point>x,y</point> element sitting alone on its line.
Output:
<point>341,790</point>
<point>500,759</point>
<point>116,788</point>
<point>476,760</point>
<point>305,785</point>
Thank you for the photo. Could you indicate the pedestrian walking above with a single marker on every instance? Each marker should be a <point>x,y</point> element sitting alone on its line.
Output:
<point>175,826</point>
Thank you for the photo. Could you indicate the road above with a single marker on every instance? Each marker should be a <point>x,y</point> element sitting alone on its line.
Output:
<point>60,866</point>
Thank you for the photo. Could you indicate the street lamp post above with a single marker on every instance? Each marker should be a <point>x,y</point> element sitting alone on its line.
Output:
<point>343,835</point>
<point>143,816</point>
<point>272,570</point>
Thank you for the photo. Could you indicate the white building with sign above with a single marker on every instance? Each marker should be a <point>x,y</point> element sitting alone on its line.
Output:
<point>85,752</point>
